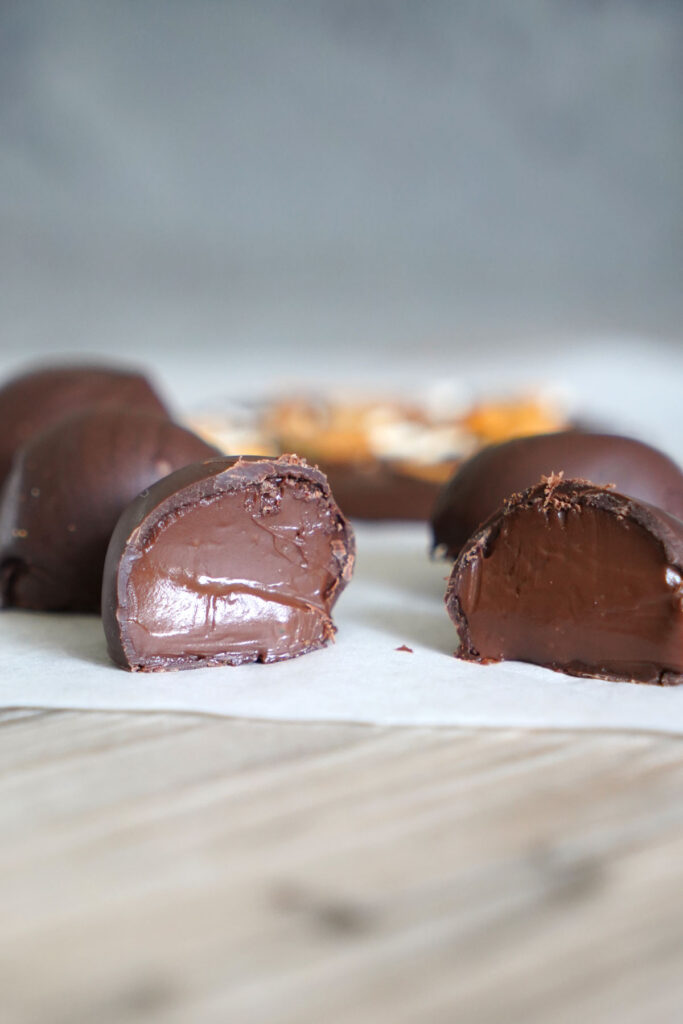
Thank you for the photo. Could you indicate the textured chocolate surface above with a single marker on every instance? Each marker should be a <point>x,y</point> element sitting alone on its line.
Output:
<point>66,490</point>
<point>483,483</point>
<point>577,578</point>
<point>226,562</point>
<point>36,400</point>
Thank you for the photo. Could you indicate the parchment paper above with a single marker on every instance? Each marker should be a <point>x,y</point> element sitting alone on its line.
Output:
<point>395,599</point>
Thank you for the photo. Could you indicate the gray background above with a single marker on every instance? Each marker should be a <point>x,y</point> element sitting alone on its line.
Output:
<point>273,186</point>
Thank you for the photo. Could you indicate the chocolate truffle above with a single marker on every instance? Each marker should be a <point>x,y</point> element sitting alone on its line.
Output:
<point>226,562</point>
<point>36,400</point>
<point>493,474</point>
<point>577,578</point>
<point>381,490</point>
<point>67,488</point>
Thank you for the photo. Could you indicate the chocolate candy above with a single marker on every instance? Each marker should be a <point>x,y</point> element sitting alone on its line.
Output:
<point>67,488</point>
<point>380,490</point>
<point>230,561</point>
<point>36,400</point>
<point>489,477</point>
<point>577,578</point>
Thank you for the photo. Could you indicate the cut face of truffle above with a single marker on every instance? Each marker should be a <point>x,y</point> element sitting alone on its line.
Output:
<point>229,562</point>
<point>483,483</point>
<point>576,578</point>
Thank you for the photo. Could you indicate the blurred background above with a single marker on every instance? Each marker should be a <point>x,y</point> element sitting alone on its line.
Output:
<point>240,192</point>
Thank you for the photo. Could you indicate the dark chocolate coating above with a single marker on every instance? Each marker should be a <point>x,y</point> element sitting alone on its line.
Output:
<point>484,482</point>
<point>66,490</point>
<point>577,578</point>
<point>34,401</point>
<point>229,561</point>
<point>380,490</point>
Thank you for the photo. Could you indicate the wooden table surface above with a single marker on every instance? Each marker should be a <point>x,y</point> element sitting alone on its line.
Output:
<point>186,869</point>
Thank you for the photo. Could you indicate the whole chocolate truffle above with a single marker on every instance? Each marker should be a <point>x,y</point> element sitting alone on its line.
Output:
<point>380,490</point>
<point>67,488</point>
<point>34,401</point>
<point>230,561</point>
<point>484,482</point>
<point>577,578</point>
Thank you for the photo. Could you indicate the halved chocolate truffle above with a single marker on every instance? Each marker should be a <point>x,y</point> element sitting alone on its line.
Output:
<point>36,400</point>
<point>577,578</point>
<point>230,561</point>
<point>483,483</point>
<point>67,488</point>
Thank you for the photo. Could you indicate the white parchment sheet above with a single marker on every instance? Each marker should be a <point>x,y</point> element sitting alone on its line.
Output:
<point>395,599</point>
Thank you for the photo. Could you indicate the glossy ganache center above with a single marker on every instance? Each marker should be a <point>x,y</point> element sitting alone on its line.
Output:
<point>236,577</point>
<point>575,588</point>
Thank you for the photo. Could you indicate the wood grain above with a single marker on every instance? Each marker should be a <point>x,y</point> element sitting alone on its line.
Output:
<point>178,868</point>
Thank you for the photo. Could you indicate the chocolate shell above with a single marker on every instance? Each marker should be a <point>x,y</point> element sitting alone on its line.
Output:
<point>226,562</point>
<point>577,578</point>
<point>483,483</point>
<point>380,490</point>
<point>36,400</point>
<point>66,490</point>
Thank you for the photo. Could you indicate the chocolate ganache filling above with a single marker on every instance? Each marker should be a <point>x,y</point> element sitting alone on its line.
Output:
<point>242,564</point>
<point>577,578</point>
